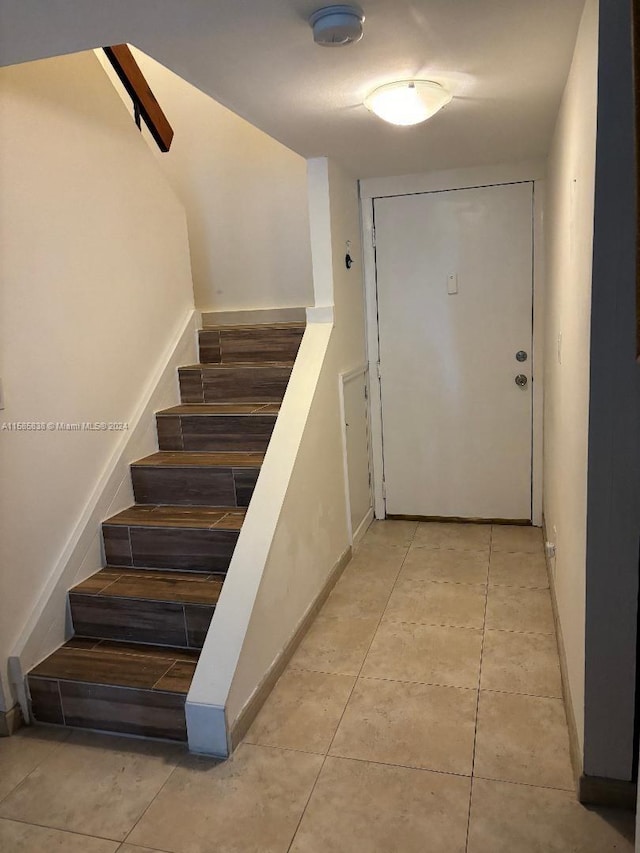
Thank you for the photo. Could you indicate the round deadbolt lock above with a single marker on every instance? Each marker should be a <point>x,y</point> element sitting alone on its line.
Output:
<point>521,380</point>
<point>521,355</point>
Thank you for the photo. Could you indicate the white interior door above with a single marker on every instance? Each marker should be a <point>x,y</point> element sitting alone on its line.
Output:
<point>454,280</point>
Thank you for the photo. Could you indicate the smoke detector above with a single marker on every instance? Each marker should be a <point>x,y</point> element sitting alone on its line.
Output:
<point>334,26</point>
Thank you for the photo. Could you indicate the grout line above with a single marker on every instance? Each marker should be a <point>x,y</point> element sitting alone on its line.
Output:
<point>55,745</point>
<point>164,674</point>
<point>355,681</point>
<point>152,801</point>
<point>365,760</point>
<point>475,731</point>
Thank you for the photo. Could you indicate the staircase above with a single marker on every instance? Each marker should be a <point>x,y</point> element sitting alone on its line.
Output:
<point>140,622</point>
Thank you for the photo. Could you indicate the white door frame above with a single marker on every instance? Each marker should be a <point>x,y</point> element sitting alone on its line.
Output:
<point>456,179</point>
<point>355,535</point>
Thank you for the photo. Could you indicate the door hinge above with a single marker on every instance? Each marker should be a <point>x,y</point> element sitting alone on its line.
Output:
<point>366,392</point>
<point>373,236</point>
<point>384,490</point>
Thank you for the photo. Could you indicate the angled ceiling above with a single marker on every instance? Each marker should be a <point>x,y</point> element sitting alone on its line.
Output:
<point>505,60</point>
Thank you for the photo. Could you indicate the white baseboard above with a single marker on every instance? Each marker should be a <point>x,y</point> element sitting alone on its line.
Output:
<point>362,528</point>
<point>49,623</point>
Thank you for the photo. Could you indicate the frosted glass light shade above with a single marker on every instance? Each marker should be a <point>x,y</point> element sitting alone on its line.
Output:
<point>407,102</point>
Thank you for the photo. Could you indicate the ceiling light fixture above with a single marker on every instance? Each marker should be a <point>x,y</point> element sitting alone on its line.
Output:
<point>407,102</point>
<point>334,26</point>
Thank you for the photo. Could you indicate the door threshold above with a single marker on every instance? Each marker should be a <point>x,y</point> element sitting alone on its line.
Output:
<point>456,519</point>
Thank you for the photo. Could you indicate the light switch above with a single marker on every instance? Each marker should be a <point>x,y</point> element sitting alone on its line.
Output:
<point>452,284</point>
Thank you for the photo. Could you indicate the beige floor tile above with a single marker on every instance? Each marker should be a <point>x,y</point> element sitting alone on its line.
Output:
<point>24,838</point>
<point>416,725</point>
<point>390,533</point>
<point>335,645</point>
<point>521,663</point>
<point>302,712</point>
<point>515,537</point>
<point>441,564</point>
<point>133,848</point>
<point>425,653</point>
<point>464,537</point>
<point>249,804</point>
<point>359,807</point>
<point>523,739</point>
<point>96,785</point>
<point>377,562</point>
<point>358,596</point>
<point>454,604</point>
<point>518,569</point>
<point>517,609</point>
<point>23,751</point>
<point>508,818</point>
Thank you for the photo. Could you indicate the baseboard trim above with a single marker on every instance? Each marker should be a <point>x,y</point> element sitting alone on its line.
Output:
<point>611,793</point>
<point>255,317</point>
<point>590,790</point>
<point>457,519</point>
<point>10,721</point>
<point>574,742</point>
<point>362,528</point>
<point>247,715</point>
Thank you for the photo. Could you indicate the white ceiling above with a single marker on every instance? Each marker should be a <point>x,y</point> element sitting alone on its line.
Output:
<point>506,61</point>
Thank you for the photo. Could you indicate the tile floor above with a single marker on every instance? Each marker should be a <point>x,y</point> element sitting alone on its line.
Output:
<point>421,714</point>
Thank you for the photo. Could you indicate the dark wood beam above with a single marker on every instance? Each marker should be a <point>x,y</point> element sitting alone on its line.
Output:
<point>133,80</point>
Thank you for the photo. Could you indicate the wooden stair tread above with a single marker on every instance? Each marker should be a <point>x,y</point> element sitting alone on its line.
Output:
<point>237,365</point>
<point>198,517</point>
<point>179,587</point>
<point>121,665</point>
<point>259,326</point>
<point>222,409</point>
<point>213,459</point>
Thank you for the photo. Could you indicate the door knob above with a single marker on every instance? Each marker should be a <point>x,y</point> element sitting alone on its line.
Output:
<point>521,380</point>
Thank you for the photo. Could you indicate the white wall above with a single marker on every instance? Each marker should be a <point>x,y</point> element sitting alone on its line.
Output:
<point>569,245</point>
<point>96,291</point>
<point>245,196</point>
<point>295,531</point>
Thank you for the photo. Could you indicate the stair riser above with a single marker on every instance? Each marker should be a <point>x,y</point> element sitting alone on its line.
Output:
<point>233,384</point>
<point>162,623</point>
<point>227,487</point>
<point>249,433</point>
<point>234,345</point>
<point>127,710</point>
<point>187,549</point>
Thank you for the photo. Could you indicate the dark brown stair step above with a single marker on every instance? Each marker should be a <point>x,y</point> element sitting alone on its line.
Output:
<point>169,608</point>
<point>200,517</point>
<point>189,459</point>
<point>273,342</point>
<point>196,539</point>
<point>192,479</point>
<point>217,426</point>
<point>183,587</point>
<point>139,690</point>
<point>235,383</point>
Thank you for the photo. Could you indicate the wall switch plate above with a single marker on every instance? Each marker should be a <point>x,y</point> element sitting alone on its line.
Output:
<point>452,284</point>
